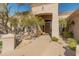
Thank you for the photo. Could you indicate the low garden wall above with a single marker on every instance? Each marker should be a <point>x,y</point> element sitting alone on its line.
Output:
<point>8,42</point>
<point>77,50</point>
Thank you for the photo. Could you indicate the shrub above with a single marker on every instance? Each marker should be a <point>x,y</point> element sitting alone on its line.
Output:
<point>0,44</point>
<point>72,43</point>
<point>55,39</point>
<point>68,34</point>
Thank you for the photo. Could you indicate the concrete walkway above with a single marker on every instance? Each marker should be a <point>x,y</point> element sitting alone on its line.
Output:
<point>41,46</point>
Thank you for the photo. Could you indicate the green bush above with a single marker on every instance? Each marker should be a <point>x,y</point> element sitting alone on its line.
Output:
<point>68,34</point>
<point>72,43</point>
<point>0,44</point>
<point>55,39</point>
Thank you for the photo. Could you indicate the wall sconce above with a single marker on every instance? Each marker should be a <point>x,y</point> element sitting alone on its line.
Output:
<point>42,8</point>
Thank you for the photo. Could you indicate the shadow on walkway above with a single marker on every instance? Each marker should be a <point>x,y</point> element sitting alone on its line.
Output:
<point>69,52</point>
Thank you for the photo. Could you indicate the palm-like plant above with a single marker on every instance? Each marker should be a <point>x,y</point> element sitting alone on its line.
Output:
<point>63,23</point>
<point>64,28</point>
<point>14,24</point>
<point>39,22</point>
<point>29,20</point>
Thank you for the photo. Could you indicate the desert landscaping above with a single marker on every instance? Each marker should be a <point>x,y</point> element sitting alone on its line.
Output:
<point>41,31</point>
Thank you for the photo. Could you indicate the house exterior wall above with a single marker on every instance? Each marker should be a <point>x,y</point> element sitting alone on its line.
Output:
<point>49,8</point>
<point>75,27</point>
<point>45,8</point>
<point>64,16</point>
<point>74,17</point>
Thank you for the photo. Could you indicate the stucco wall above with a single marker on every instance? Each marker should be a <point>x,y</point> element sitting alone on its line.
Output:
<point>46,8</point>
<point>75,27</point>
<point>77,50</point>
<point>63,16</point>
<point>8,42</point>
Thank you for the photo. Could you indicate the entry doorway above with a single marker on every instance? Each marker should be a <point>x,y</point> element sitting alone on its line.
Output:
<point>47,28</point>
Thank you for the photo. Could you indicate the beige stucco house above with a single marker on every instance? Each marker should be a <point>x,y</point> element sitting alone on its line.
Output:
<point>74,17</point>
<point>49,12</point>
<point>65,15</point>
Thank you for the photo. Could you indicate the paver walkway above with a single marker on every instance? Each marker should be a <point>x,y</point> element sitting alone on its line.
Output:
<point>41,46</point>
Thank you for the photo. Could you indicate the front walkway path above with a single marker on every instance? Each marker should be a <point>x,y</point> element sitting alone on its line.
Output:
<point>41,46</point>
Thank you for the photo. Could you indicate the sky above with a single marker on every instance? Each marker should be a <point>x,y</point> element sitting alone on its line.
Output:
<point>63,7</point>
<point>15,7</point>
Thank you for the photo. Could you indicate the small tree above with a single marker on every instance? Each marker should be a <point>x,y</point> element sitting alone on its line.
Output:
<point>62,25</point>
<point>64,28</point>
<point>31,21</point>
<point>14,22</point>
<point>4,15</point>
<point>39,21</point>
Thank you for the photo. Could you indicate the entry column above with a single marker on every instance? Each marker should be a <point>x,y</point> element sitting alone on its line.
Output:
<point>55,22</point>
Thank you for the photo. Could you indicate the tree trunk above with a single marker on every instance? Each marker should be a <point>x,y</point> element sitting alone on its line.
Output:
<point>39,30</point>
